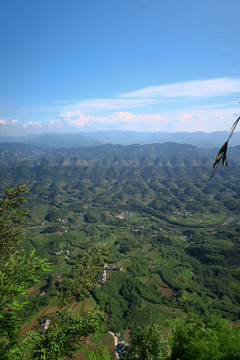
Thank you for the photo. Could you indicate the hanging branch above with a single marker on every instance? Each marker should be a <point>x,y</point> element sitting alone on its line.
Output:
<point>222,154</point>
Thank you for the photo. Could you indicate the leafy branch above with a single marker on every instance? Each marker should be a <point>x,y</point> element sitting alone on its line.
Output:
<point>222,154</point>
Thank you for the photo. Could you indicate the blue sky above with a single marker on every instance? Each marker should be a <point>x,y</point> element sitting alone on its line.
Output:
<point>142,65</point>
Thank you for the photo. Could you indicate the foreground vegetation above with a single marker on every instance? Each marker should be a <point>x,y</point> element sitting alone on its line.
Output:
<point>174,240</point>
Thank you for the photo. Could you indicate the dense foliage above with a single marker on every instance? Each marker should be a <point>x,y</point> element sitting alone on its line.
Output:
<point>215,339</point>
<point>146,343</point>
<point>174,239</point>
<point>18,271</point>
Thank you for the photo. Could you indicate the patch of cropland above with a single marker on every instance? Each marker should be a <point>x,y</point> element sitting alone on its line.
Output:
<point>174,235</point>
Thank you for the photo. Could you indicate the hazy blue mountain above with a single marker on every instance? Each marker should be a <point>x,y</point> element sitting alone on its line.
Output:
<point>53,140</point>
<point>17,139</point>
<point>199,139</point>
<point>64,140</point>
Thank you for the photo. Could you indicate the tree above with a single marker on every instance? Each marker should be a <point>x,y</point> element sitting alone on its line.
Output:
<point>215,339</point>
<point>84,275</point>
<point>222,154</point>
<point>146,343</point>
<point>18,271</point>
<point>56,341</point>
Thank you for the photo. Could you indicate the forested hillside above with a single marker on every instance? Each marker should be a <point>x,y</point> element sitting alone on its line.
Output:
<point>174,236</point>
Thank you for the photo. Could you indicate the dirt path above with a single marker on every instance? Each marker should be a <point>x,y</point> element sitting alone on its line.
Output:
<point>115,342</point>
<point>104,273</point>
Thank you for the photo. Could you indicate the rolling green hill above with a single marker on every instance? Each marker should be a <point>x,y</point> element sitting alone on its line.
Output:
<point>174,235</point>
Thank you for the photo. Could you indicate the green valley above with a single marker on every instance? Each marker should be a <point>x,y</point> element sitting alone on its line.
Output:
<point>174,236</point>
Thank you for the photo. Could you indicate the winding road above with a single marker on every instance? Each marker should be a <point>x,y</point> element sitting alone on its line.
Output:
<point>115,343</point>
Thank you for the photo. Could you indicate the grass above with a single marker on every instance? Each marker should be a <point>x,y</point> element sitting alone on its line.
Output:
<point>160,313</point>
<point>207,219</point>
<point>187,273</point>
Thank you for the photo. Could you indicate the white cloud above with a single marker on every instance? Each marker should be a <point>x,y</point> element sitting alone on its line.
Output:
<point>14,121</point>
<point>186,116</point>
<point>32,123</point>
<point>8,122</point>
<point>52,123</point>
<point>206,119</point>
<point>165,104</point>
<point>202,88</point>
<point>121,119</point>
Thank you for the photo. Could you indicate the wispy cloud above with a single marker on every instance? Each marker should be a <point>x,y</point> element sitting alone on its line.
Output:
<point>146,97</point>
<point>111,104</point>
<point>200,105</point>
<point>93,105</point>
<point>202,88</point>
<point>216,106</point>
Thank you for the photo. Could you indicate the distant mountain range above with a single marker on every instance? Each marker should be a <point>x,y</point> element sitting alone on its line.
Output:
<point>199,139</point>
<point>108,155</point>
